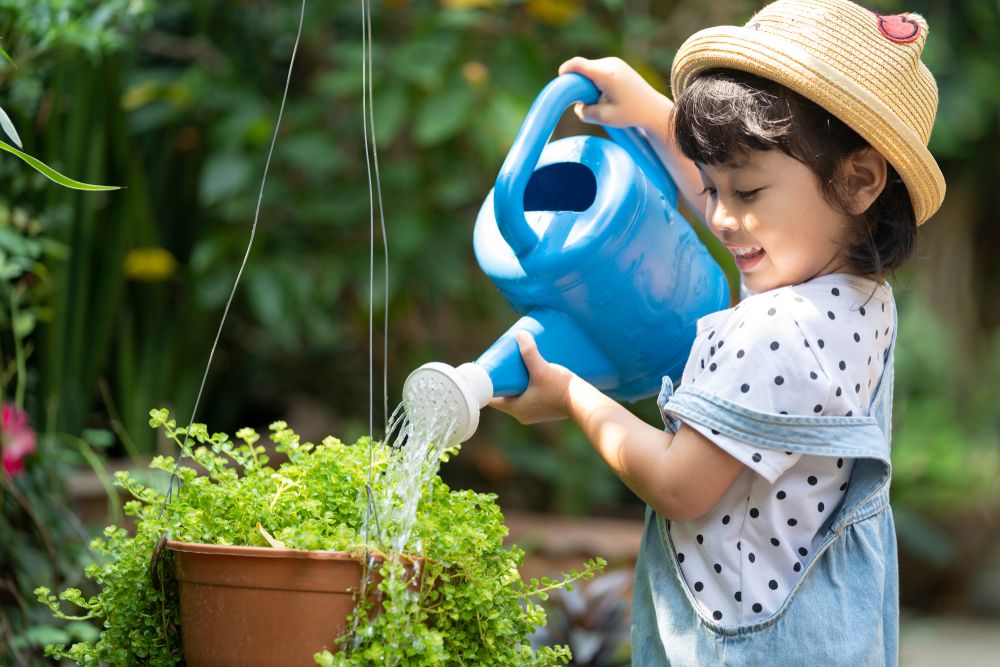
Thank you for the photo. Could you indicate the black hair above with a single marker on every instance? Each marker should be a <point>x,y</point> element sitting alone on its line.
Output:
<point>725,114</point>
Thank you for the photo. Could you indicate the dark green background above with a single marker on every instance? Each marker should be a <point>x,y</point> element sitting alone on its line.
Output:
<point>177,101</point>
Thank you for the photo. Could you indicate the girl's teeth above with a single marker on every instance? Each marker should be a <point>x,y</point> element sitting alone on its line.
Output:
<point>740,252</point>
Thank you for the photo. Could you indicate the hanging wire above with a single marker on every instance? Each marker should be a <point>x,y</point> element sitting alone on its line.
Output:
<point>174,478</point>
<point>371,223</point>
<point>371,155</point>
<point>366,86</point>
<point>385,248</point>
<point>368,123</point>
<point>368,120</point>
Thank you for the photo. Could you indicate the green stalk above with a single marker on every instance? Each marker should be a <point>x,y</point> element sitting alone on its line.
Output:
<point>3,383</point>
<point>95,463</point>
<point>116,423</point>
<point>22,371</point>
<point>6,56</point>
<point>89,283</point>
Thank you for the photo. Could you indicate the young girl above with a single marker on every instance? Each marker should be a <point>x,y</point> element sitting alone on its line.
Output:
<point>802,138</point>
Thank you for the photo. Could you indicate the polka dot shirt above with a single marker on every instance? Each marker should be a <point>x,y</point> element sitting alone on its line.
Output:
<point>812,349</point>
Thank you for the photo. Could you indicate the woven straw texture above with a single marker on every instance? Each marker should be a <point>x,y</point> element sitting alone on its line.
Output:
<point>834,53</point>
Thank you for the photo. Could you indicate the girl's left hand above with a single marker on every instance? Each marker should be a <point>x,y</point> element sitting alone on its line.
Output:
<point>546,397</point>
<point>627,99</point>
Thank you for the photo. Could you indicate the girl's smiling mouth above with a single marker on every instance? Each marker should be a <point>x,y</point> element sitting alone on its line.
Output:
<point>746,256</point>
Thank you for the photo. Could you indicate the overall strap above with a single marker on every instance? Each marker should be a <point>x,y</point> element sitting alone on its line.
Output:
<point>856,437</point>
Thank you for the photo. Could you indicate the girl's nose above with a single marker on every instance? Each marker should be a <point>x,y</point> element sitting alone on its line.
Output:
<point>721,219</point>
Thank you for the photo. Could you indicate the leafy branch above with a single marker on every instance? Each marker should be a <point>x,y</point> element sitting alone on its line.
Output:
<point>540,587</point>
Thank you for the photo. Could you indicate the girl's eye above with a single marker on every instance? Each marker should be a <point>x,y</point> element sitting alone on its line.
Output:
<point>710,191</point>
<point>748,195</point>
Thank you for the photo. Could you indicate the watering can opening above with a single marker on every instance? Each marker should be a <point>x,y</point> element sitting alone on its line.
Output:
<point>563,186</point>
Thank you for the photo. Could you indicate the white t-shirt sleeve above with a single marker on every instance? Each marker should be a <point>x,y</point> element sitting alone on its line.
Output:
<point>759,358</point>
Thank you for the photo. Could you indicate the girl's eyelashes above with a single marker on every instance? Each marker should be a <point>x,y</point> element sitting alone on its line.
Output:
<point>747,195</point>
<point>742,195</point>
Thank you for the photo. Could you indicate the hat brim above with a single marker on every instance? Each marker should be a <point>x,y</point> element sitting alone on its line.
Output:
<point>780,60</point>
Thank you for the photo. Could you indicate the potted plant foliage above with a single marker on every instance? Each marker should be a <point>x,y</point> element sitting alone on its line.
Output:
<point>461,600</point>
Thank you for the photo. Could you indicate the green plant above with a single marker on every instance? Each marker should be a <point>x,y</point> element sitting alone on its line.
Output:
<point>594,621</point>
<point>472,606</point>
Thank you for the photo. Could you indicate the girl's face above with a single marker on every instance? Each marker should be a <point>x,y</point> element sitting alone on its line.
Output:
<point>769,212</point>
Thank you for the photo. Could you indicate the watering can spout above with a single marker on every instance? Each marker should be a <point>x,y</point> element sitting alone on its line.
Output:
<point>560,341</point>
<point>443,402</point>
<point>462,392</point>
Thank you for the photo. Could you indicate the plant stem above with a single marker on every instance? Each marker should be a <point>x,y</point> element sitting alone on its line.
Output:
<point>3,376</point>
<point>94,461</point>
<point>285,485</point>
<point>22,371</point>
<point>10,487</point>
<point>116,422</point>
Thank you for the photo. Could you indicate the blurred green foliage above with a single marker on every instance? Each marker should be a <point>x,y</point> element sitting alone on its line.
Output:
<point>946,455</point>
<point>184,115</point>
<point>177,100</point>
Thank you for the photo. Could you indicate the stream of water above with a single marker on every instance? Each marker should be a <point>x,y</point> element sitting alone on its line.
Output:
<point>416,443</point>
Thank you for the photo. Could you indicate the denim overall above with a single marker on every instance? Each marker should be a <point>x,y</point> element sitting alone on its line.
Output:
<point>844,609</point>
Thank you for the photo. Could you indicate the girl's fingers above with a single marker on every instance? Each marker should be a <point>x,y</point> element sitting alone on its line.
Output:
<point>533,359</point>
<point>595,70</point>
<point>576,64</point>
<point>500,403</point>
<point>529,351</point>
<point>601,72</point>
<point>600,67</point>
<point>588,113</point>
<point>601,113</point>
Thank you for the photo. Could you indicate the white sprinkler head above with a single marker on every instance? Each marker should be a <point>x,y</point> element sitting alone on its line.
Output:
<point>448,396</point>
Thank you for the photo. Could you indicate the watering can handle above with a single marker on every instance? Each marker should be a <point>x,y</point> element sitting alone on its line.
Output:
<point>545,112</point>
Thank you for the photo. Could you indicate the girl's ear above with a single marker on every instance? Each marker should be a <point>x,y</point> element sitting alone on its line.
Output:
<point>864,175</point>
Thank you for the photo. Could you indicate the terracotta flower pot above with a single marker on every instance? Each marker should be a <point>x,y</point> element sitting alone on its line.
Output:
<point>254,606</point>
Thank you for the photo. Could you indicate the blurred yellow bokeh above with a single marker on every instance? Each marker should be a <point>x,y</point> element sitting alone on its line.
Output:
<point>475,73</point>
<point>554,12</point>
<point>469,4</point>
<point>150,265</point>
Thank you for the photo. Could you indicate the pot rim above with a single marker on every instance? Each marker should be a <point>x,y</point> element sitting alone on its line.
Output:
<point>270,552</point>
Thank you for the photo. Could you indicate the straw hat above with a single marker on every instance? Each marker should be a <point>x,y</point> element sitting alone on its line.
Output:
<point>862,67</point>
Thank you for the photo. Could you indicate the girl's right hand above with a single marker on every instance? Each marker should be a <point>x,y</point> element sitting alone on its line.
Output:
<point>546,397</point>
<point>627,100</point>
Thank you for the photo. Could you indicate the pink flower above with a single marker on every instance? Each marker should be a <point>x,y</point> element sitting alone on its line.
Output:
<point>16,439</point>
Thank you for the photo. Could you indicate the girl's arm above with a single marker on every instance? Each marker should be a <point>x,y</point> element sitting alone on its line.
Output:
<point>627,100</point>
<point>680,476</point>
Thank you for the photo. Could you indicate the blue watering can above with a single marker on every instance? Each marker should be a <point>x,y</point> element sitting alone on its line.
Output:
<point>583,238</point>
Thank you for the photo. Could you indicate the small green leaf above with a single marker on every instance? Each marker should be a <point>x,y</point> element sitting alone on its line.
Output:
<point>8,127</point>
<point>24,324</point>
<point>7,57</point>
<point>391,111</point>
<point>444,114</point>
<point>54,175</point>
<point>40,635</point>
<point>224,176</point>
<point>98,437</point>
